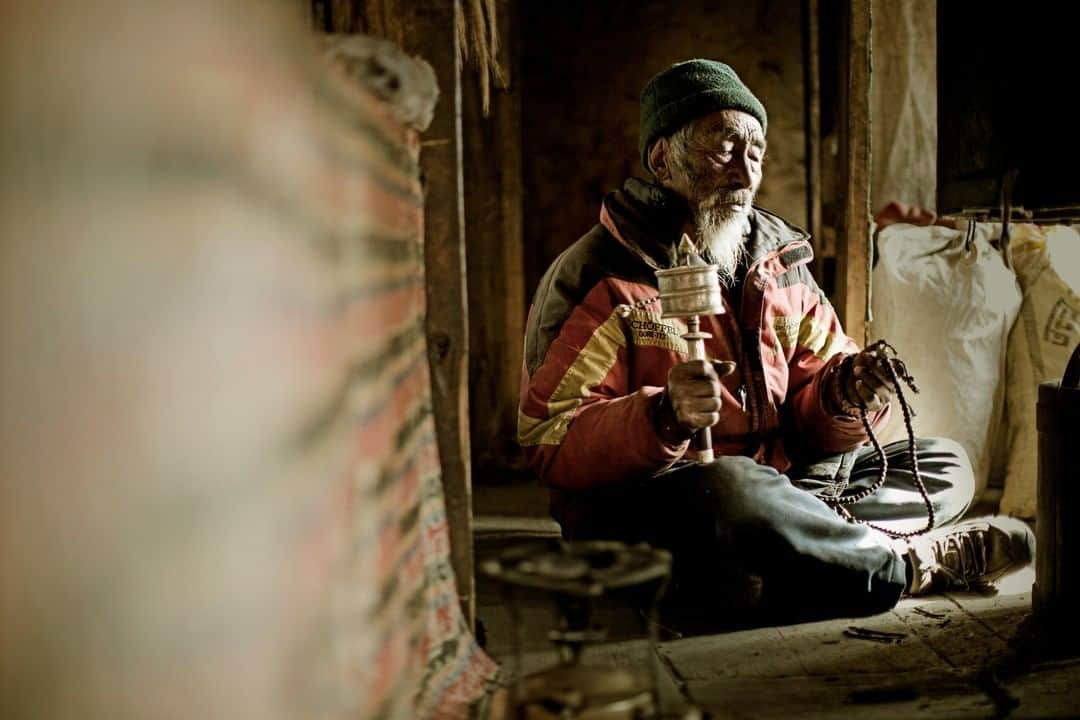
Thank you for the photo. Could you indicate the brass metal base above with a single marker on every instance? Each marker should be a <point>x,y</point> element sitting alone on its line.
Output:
<point>584,692</point>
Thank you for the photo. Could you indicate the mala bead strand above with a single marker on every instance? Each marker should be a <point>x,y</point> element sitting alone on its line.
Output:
<point>839,502</point>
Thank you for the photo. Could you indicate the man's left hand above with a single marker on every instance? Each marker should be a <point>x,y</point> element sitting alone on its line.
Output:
<point>868,383</point>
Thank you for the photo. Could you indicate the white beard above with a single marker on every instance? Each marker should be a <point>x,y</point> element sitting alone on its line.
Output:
<point>724,236</point>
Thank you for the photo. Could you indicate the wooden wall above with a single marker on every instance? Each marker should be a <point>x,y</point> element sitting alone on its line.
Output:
<point>494,236</point>
<point>583,68</point>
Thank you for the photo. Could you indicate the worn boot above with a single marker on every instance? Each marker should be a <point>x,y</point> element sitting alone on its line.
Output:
<point>968,555</point>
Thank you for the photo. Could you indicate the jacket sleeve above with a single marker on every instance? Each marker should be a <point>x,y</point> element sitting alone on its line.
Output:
<point>579,423</point>
<point>819,345</point>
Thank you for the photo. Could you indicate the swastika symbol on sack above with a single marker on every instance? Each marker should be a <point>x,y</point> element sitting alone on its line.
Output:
<point>1063,324</point>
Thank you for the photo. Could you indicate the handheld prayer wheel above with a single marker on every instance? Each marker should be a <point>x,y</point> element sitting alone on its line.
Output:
<point>688,291</point>
<point>1057,581</point>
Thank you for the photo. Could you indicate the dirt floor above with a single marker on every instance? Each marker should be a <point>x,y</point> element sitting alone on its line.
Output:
<point>960,655</point>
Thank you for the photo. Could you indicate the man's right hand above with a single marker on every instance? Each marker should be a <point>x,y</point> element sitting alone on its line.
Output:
<point>693,390</point>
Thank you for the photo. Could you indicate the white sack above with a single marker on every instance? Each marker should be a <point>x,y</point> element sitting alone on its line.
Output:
<point>947,310</point>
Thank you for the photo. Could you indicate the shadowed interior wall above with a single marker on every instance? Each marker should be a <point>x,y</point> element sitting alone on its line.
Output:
<point>583,67</point>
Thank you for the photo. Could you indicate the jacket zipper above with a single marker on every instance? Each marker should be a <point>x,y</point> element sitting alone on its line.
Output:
<point>735,337</point>
<point>751,349</point>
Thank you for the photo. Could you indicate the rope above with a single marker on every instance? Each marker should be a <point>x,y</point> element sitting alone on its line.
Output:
<point>838,502</point>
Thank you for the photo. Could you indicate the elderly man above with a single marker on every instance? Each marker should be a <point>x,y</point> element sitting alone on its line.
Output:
<point>610,401</point>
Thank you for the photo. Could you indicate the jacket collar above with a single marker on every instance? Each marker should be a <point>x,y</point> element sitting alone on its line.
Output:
<point>647,218</point>
<point>771,233</point>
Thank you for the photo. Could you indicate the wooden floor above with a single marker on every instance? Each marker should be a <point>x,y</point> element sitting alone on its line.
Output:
<point>946,656</point>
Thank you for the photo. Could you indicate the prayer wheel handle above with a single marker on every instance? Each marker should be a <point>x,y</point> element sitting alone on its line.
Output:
<point>1072,371</point>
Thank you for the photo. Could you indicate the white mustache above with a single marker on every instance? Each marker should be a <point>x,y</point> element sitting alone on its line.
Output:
<point>740,197</point>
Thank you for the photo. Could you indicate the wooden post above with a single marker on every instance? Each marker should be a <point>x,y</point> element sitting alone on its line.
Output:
<point>853,247</point>
<point>426,28</point>
<point>493,237</point>
<point>1056,591</point>
<point>812,82</point>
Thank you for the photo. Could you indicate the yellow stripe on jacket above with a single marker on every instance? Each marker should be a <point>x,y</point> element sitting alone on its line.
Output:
<point>808,333</point>
<point>592,364</point>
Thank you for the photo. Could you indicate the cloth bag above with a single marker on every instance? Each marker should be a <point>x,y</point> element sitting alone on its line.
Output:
<point>1047,263</point>
<point>946,301</point>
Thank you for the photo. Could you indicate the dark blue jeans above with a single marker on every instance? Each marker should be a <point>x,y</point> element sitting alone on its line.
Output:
<point>761,545</point>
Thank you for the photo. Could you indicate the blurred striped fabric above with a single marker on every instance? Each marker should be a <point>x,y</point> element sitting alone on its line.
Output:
<point>219,485</point>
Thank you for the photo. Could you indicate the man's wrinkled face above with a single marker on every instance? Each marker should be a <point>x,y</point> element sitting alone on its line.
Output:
<point>721,167</point>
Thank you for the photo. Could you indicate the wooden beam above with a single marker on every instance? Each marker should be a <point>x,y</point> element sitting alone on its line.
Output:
<point>812,82</point>
<point>853,248</point>
<point>495,253</point>
<point>426,28</point>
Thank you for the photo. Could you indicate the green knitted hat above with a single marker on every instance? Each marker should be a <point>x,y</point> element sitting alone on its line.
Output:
<point>689,90</point>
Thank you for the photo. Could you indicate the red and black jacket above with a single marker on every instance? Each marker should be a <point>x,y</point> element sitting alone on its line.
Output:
<point>592,374</point>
